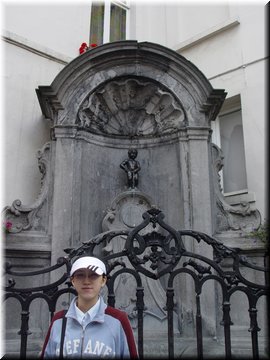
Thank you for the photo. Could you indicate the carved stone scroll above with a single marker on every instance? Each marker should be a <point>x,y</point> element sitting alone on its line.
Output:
<point>24,217</point>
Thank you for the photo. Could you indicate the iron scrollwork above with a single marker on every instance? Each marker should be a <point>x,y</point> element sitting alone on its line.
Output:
<point>153,249</point>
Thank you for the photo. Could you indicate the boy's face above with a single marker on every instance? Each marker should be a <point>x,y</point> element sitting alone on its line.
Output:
<point>88,284</point>
<point>132,154</point>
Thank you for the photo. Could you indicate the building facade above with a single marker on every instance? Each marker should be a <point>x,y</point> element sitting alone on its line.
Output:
<point>225,43</point>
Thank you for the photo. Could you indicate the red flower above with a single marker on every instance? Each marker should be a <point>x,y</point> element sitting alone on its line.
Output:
<point>7,225</point>
<point>83,48</point>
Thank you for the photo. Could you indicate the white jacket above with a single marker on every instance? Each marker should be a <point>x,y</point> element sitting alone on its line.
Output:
<point>108,334</point>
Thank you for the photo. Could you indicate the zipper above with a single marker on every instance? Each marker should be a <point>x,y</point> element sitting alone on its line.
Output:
<point>82,338</point>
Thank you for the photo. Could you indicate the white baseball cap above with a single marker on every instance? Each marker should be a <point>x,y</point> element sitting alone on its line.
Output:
<point>89,262</point>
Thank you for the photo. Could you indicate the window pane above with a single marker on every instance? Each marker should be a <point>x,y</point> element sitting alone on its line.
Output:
<point>232,145</point>
<point>97,23</point>
<point>118,23</point>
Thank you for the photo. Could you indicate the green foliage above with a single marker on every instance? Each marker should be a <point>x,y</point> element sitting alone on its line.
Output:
<point>262,233</point>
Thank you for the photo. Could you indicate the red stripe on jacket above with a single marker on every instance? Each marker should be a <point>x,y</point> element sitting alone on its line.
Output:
<point>59,315</point>
<point>123,318</point>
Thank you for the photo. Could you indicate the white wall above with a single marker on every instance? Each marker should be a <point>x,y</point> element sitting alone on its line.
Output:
<point>39,40</point>
<point>25,128</point>
<point>226,41</point>
<point>170,22</point>
<point>61,28</point>
<point>234,60</point>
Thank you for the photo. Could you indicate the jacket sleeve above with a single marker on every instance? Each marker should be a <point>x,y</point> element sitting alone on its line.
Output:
<point>130,336</point>
<point>123,318</point>
<point>49,349</point>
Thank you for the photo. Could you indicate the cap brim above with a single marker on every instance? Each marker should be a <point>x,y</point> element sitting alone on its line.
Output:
<point>90,263</point>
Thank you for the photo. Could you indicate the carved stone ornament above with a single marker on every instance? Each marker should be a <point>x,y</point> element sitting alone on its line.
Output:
<point>131,108</point>
<point>242,217</point>
<point>25,217</point>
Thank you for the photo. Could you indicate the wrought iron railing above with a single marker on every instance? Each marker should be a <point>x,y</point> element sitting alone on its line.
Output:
<point>152,249</point>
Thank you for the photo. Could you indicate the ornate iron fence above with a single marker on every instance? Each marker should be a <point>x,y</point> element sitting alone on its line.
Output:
<point>153,249</point>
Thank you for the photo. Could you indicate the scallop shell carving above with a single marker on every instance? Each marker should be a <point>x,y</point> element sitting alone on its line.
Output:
<point>131,108</point>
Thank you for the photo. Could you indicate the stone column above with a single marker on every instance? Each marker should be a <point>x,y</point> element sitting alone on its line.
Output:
<point>200,179</point>
<point>64,193</point>
<point>201,212</point>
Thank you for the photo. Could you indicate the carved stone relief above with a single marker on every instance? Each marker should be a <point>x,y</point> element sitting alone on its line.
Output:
<point>129,108</point>
<point>237,218</point>
<point>24,217</point>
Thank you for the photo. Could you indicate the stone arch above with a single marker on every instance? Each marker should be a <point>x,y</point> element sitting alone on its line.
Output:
<point>105,63</point>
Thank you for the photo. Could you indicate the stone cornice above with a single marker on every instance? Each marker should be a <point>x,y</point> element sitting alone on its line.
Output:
<point>34,48</point>
<point>213,31</point>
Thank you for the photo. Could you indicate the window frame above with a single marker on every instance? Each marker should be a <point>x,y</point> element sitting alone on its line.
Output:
<point>107,18</point>
<point>216,138</point>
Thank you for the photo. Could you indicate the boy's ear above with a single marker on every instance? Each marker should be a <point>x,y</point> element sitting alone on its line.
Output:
<point>104,280</point>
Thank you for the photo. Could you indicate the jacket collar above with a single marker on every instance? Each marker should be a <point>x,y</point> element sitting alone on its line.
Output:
<point>99,317</point>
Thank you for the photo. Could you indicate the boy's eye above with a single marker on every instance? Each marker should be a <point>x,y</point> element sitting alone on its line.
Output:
<point>82,276</point>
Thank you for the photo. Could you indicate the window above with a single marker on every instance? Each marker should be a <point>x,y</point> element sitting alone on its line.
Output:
<point>109,21</point>
<point>97,23</point>
<point>228,135</point>
<point>232,145</point>
<point>117,23</point>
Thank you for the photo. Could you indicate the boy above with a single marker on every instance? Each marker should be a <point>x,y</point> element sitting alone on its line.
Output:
<point>132,168</point>
<point>92,328</point>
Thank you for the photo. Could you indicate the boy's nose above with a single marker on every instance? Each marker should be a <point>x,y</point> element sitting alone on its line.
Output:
<point>87,277</point>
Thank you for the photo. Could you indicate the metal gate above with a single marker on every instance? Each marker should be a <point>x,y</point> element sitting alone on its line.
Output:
<point>154,253</point>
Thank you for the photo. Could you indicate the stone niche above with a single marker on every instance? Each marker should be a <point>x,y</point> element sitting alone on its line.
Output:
<point>112,98</point>
<point>122,95</point>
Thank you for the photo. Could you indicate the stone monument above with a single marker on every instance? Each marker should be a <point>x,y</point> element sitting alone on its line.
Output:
<point>113,98</point>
